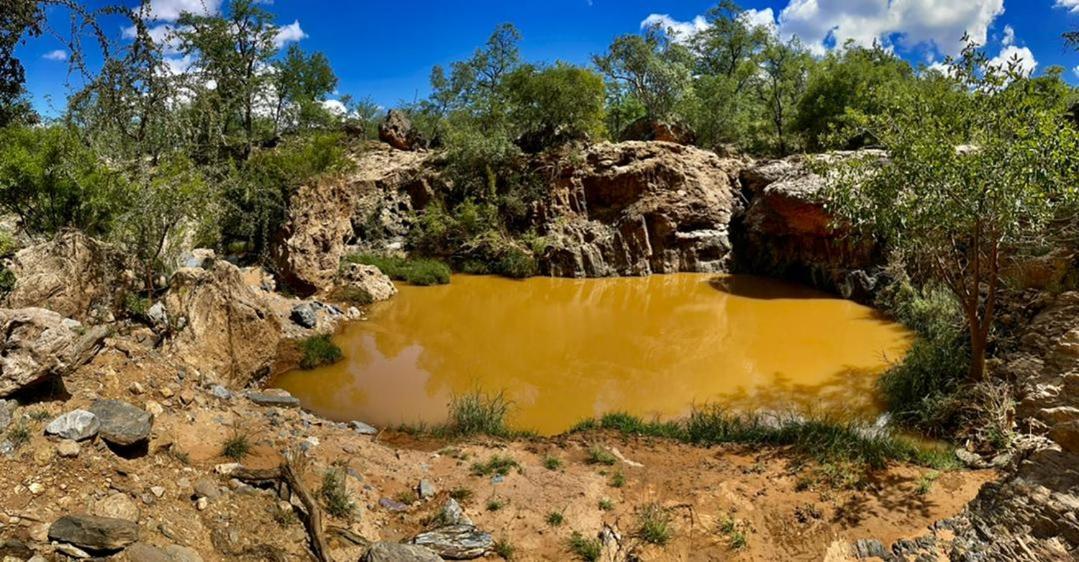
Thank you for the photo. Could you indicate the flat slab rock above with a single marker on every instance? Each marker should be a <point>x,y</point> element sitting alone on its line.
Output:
<point>397,552</point>
<point>94,533</point>
<point>121,423</point>
<point>275,400</point>
<point>456,542</point>
<point>75,425</point>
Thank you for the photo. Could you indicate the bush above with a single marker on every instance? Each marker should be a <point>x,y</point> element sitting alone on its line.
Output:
<point>655,525</point>
<point>478,414</point>
<point>236,447</point>
<point>422,272</point>
<point>586,548</point>
<point>335,495</point>
<point>497,464</point>
<point>516,264</point>
<point>318,351</point>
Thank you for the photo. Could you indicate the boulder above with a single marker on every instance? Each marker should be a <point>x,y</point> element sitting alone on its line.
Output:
<point>222,325</point>
<point>304,315</point>
<point>787,232</point>
<point>94,533</point>
<point>121,423</point>
<point>456,542</point>
<point>649,129</point>
<point>397,131</point>
<point>371,208</point>
<point>453,514</point>
<point>369,279</point>
<point>40,344</point>
<point>75,425</point>
<point>637,208</point>
<point>397,552</point>
<point>72,275</point>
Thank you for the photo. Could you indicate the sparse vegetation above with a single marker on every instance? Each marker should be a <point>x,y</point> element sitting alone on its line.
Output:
<point>18,435</point>
<point>237,446</point>
<point>925,482</point>
<point>617,480</point>
<point>477,413</point>
<point>598,455</point>
<point>415,271</point>
<point>654,525</point>
<point>585,548</point>
<point>606,504</point>
<point>461,494</point>
<point>555,518</point>
<point>335,496</point>
<point>495,504</point>
<point>736,536</point>
<point>318,351</point>
<point>552,463</point>
<point>497,464</point>
<point>504,548</point>
<point>407,497</point>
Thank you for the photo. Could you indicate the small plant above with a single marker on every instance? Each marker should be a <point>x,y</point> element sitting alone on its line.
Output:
<point>586,548</point>
<point>39,415</point>
<point>597,455</point>
<point>414,271</point>
<point>19,435</point>
<point>555,518</point>
<point>925,483</point>
<point>355,296</point>
<point>318,351</point>
<point>283,517</point>
<point>497,464</point>
<point>504,548</point>
<point>617,480</point>
<point>606,504</point>
<point>495,504</point>
<point>477,413</point>
<point>736,537</point>
<point>136,306</point>
<point>407,497</point>
<point>335,494</point>
<point>461,494</point>
<point>237,446</point>
<point>552,463</point>
<point>655,525</point>
<point>181,456</point>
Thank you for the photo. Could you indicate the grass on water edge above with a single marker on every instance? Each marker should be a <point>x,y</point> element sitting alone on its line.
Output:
<point>417,271</point>
<point>318,351</point>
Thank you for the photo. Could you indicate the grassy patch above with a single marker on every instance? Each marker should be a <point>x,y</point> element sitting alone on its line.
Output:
<point>736,536</point>
<point>477,413</point>
<point>19,435</point>
<point>552,463</point>
<point>407,497</point>
<point>335,496</point>
<point>606,504</point>
<point>237,446</point>
<point>497,464</point>
<point>585,548</point>
<point>925,483</point>
<point>415,271</point>
<point>599,455</point>
<point>495,504</point>
<point>654,525</point>
<point>617,480</point>
<point>555,519</point>
<point>461,494</point>
<point>504,548</point>
<point>317,351</point>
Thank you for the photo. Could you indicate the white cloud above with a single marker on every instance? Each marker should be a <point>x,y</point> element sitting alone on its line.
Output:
<point>289,33</point>
<point>1076,71</point>
<point>1009,36</point>
<point>679,31</point>
<point>335,107</point>
<point>765,18</point>
<point>170,10</point>
<point>1026,61</point>
<point>58,54</point>
<point>1072,5</point>
<point>936,24</point>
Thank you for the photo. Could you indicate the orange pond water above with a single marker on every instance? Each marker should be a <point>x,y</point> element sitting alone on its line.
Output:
<point>565,349</point>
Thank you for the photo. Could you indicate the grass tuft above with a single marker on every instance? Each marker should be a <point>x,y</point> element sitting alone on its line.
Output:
<point>552,463</point>
<point>555,519</point>
<point>598,455</point>
<point>585,548</point>
<point>19,435</point>
<point>318,351</point>
<point>655,525</point>
<point>461,494</point>
<point>237,446</point>
<point>497,464</point>
<point>504,548</point>
<point>335,496</point>
<point>415,271</point>
<point>477,413</point>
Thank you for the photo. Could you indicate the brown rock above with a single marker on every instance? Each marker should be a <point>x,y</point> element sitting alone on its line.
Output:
<point>397,131</point>
<point>94,533</point>
<point>39,344</point>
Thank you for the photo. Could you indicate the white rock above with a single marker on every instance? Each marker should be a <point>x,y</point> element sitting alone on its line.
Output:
<point>75,425</point>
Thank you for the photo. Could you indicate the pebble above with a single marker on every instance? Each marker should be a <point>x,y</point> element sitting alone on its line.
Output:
<point>166,392</point>
<point>36,488</point>
<point>157,491</point>
<point>68,448</point>
<point>201,504</point>
<point>136,388</point>
<point>154,408</point>
<point>220,392</point>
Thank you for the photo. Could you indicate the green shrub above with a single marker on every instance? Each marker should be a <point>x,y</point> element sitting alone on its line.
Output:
<point>237,446</point>
<point>552,463</point>
<point>497,464</point>
<point>335,494</point>
<point>555,519</point>
<point>655,525</point>
<point>415,271</point>
<point>495,504</point>
<point>597,455</point>
<point>477,413</point>
<point>516,264</point>
<point>504,548</point>
<point>317,351</point>
<point>588,549</point>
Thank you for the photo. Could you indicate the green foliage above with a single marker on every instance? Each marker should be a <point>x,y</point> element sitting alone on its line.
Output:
<point>18,435</point>
<point>497,464</point>
<point>477,413</point>
<point>50,180</point>
<point>504,548</point>
<point>495,504</point>
<point>317,351</point>
<point>654,525</point>
<point>606,504</point>
<point>302,81</point>
<point>237,446</point>
<point>656,71</point>
<point>552,463</point>
<point>553,104</point>
<point>414,271</point>
<point>599,455</point>
<point>617,480</point>
<point>555,519</point>
<point>335,495</point>
<point>461,494</point>
<point>588,549</point>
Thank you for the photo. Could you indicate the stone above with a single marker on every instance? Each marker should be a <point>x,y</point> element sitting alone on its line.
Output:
<point>453,514</point>
<point>456,542</point>
<point>274,400</point>
<point>142,552</point>
<point>397,552</point>
<point>392,505</point>
<point>94,533</point>
<point>220,392</point>
<point>425,489</point>
<point>207,488</point>
<point>157,491</point>
<point>39,344</point>
<point>72,275</point>
<point>369,279</point>
<point>122,423</point>
<point>228,326</point>
<point>304,315</point>
<point>75,425</point>
<point>7,412</point>
<point>1066,435</point>
<point>201,504</point>
<point>199,258</point>
<point>117,506</point>
<point>362,428</point>
<point>397,131</point>
<point>158,315</point>
<point>179,553</point>
<point>869,548</point>
<point>68,448</point>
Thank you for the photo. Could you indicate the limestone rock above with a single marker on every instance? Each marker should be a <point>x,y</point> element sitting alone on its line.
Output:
<point>425,489</point>
<point>283,400</point>
<point>7,411</point>
<point>72,275</point>
<point>39,344</point>
<point>368,278</point>
<point>94,533</point>
<point>122,423</point>
<point>68,448</point>
<point>117,506</point>
<point>228,328</point>
<point>453,514</point>
<point>456,542</point>
<point>75,425</point>
<point>649,129</point>
<point>362,428</point>
<point>636,208</point>
<point>397,131</point>
<point>397,552</point>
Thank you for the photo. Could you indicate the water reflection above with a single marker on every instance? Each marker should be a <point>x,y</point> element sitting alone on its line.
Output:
<point>567,349</point>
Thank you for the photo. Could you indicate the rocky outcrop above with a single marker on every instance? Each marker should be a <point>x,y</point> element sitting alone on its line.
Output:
<point>220,324</point>
<point>72,275</point>
<point>649,129</point>
<point>637,208</point>
<point>368,279</point>
<point>39,344</point>
<point>786,232</point>
<point>372,205</point>
<point>397,131</point>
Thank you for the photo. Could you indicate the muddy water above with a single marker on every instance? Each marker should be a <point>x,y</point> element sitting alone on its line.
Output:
<point>565,349</point>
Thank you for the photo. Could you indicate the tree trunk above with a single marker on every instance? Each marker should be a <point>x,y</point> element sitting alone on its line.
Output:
<point>977,353</point>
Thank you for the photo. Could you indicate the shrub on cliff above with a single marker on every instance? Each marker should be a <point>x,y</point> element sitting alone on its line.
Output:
<point>318,351</point>
<point>415,271</point>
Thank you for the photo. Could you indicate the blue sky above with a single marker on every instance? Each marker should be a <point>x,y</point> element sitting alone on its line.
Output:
<point>385,49</point>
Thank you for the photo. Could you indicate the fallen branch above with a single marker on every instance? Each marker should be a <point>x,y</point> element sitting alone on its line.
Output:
<point>287,474</point>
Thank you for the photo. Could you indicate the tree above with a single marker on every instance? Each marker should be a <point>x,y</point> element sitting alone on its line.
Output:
<point>784,71</point>
<point>557,103</point>
<point>655,70</point>
<point>843,85</point>
<point>301,82</point>
<point>18,19</point>
<point>976,171</point>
